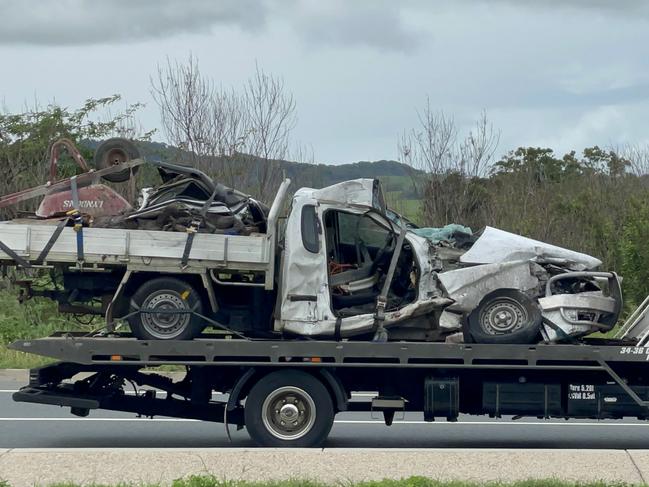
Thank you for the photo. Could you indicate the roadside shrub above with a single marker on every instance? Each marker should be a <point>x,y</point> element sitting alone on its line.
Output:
<point>36,318</point>
<point>634,251</point>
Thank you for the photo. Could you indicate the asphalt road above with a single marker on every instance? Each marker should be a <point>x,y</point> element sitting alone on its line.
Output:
<point>36,426</point>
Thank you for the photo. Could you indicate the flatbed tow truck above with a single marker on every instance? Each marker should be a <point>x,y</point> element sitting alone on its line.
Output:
<point>287,392</point>
<point>338,297</point>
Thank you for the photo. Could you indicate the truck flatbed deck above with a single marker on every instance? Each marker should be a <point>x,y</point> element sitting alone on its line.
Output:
<point>126,350</point>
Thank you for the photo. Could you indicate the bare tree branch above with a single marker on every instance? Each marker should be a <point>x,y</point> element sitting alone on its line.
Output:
<point>449,165</point>
<point>237,136</point>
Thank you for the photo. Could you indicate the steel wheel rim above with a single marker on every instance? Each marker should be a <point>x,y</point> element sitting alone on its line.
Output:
<point>288,413</point>
<point>502,316</point>
<point>165,326</point>
<point>116,156</point>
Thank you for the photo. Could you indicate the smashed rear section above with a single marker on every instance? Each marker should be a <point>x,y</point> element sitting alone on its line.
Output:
<point>570,315</point>
<point>573,299</point>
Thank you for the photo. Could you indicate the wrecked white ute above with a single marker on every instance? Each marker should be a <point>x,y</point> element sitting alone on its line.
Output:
<point>351,268</point>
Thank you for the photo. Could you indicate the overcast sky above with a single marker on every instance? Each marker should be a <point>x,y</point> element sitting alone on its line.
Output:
<point>558,73</point>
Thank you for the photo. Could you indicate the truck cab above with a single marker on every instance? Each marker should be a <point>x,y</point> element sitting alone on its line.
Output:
<point>333,274</point>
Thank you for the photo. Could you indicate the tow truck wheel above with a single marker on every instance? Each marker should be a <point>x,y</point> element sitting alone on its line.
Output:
<point>167,305</point>
<point>116,151</point>
<point>505,316</point>
<point>289,408</point>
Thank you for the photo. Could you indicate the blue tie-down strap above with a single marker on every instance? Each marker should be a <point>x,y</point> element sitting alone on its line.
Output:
<point>78,227</point>
<point>80,256</point>
<point>78,219</point>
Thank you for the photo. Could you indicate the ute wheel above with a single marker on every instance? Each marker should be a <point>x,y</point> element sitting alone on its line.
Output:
<point>115,151</point>
<point>289,408</point>
<point>505,316</point>
<point>166,294</point>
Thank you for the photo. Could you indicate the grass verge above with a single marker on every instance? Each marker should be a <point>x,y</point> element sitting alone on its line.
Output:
<point>208,481</point>
<point>36,318</point>
<point>11,359</point>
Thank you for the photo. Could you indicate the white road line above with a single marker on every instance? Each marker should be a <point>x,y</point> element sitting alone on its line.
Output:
<point>485,423</point>
<point>164,420</point>
<point>128,393</point>
<point>342,421</point>
<point>131,393</point>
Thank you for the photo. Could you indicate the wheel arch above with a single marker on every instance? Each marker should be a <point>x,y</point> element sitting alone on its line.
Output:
<point>201,282</point>
<point>245,382</point>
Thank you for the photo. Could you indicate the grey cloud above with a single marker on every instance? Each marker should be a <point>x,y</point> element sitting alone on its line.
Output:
<point>376,23</point>
<point>634,93</point>
<point>624,7</point>
<point>546,95</point>
<point>70,22</point>
<point>82,22</point>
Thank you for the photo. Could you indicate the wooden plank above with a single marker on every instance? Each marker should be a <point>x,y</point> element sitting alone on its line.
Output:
<point>107,245</point>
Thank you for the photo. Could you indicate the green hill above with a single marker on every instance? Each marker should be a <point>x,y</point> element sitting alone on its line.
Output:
<point>396,178</point>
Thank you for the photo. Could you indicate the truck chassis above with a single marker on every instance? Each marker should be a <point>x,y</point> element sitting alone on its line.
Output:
<point>287,392</point>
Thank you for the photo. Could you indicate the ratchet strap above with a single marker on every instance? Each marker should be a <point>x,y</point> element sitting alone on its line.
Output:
<point>193,227</point>
<point>19,260</point>
<point>43,255</point>
<point>50,243</point>
<point>337,335</point>
<point>75,214</point>
<point>382,300</point>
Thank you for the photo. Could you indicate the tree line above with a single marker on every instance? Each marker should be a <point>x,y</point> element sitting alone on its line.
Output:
<point>596,201</point>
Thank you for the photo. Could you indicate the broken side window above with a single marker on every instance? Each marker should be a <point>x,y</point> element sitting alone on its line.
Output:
<point>310,229</point>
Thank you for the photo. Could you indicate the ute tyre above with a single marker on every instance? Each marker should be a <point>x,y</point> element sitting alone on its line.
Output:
<point>166,293</point>
<point>114,151</point>
<point>308,402</point>
<point>505,316</point>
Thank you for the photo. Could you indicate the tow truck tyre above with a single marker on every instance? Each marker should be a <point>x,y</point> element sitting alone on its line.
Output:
<point>289,408</point>
<point>116,151</point>
<point>505,316</point>
<point>174,299</point>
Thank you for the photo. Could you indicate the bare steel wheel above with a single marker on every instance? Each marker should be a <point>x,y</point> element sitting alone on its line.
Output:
<point>165,308</point>
<point>289,408</point>
<point>166,315</point>
<point>505,316</point>
<point>502,315</point>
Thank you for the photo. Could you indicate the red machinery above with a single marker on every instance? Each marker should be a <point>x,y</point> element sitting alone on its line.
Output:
<point>115,160</point>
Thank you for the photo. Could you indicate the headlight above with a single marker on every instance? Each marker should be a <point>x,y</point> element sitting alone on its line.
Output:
<point>571,314</point>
